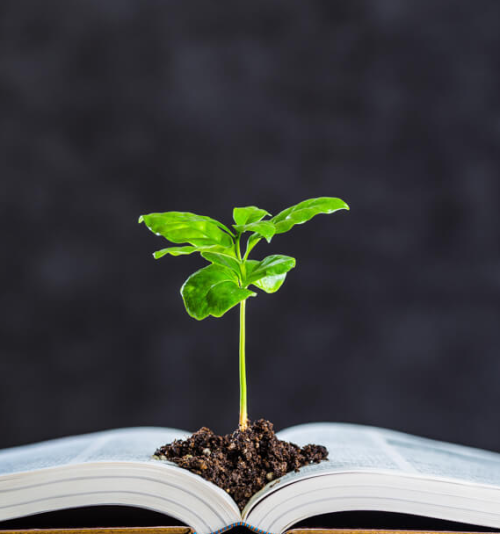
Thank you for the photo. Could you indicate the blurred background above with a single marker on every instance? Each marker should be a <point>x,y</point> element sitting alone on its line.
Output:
<point>111,109</point>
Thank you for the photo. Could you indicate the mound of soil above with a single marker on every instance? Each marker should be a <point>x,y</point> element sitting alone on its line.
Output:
<point>243,462</point>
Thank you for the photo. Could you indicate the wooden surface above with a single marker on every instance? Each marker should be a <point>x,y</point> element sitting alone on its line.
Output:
<point>374,531</point>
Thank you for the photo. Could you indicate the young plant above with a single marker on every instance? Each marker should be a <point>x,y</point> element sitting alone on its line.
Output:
<point>226,282</point>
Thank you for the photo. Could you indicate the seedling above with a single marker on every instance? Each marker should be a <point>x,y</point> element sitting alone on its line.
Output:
<point>224,283</point>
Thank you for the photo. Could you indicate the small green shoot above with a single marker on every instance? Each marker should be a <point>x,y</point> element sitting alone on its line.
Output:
<point>230,278</point>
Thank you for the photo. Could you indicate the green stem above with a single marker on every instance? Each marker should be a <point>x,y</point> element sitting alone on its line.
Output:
<point>238,250</point>
<point>243,376</point>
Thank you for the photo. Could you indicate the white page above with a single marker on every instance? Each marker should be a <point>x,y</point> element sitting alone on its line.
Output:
<point>133,444</point>
<point>376,469</point>
<point>349,447</point>
<point>111,467</point>
<point>369,449</point>
<point>357,447</point>
<point>439,459</point>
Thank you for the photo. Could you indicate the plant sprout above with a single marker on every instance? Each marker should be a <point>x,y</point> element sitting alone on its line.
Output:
<point>224,283</point>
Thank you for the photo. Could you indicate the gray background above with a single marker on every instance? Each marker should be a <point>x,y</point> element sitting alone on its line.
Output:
<point>110,109</point>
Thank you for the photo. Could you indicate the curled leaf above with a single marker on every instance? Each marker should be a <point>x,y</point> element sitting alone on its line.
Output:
<point>263,229</point>
<point>174,251</point>
<point>182,251</point>
<point>270,284</point>
<point>306,210</point>
<point>252,241</point>
<point>212,290</point>
<point>224,259</point>
<point>248,215</point>
<point>183,227</point>
<point>274,265</point>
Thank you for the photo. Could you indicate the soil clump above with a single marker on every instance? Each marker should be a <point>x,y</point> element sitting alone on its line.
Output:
<point>243,462</point>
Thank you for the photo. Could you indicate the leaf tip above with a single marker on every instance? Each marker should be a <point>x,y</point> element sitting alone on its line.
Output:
<point>141,219</point>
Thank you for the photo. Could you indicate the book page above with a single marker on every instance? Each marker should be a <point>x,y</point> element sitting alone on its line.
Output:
<point>357,447</point>
<point>368,449</point>
<point>113,467</point>
<point>133,444</point>
<point>376,469</point>
<point>439,459</point>
<point>349,447</point>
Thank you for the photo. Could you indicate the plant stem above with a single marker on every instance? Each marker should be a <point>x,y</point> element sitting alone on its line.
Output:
<point>238,250</point>
<point>243,376</point>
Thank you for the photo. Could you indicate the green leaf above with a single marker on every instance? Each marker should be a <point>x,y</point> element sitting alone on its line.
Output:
<point>306,210</point>
<point>270,284</point>
<point>224,259</point>
<point>174,251</point>
<point>212,290</point>
<point>182,251</point>
<point>248,215</point>
<point>264,229</point>
<point>184,227</point>
<point>252,241</point>
<point>274,265</point>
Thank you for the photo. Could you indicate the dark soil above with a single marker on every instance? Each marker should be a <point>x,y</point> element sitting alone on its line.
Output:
<point>242,462</point>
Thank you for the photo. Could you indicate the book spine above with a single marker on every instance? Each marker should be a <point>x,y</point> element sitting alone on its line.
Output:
<point>239,524</point>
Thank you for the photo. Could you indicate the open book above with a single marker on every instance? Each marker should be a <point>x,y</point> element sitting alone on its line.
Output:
<point>368,469</point>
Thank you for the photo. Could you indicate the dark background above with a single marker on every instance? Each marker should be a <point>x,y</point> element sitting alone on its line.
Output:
<point>110,109</point>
